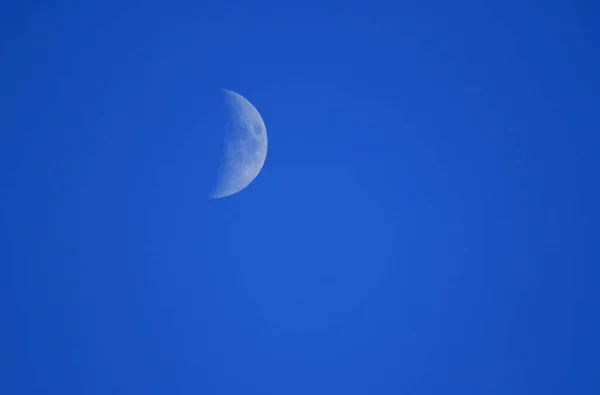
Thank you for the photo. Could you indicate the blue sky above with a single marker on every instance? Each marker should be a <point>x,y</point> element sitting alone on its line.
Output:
<point>426,221</point>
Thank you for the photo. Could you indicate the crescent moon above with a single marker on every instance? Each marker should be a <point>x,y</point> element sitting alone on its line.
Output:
<point>245,146</point>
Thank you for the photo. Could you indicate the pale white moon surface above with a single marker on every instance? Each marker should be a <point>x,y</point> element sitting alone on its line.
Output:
<point>245,146</point>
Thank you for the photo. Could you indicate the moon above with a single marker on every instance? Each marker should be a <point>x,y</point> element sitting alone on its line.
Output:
<point>245,146</point>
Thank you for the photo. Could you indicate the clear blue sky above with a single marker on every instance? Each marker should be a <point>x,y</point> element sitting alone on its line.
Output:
<point>426,221</point>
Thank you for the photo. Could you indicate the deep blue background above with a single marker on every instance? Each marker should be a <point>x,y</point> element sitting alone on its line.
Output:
<point>426,221</point>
